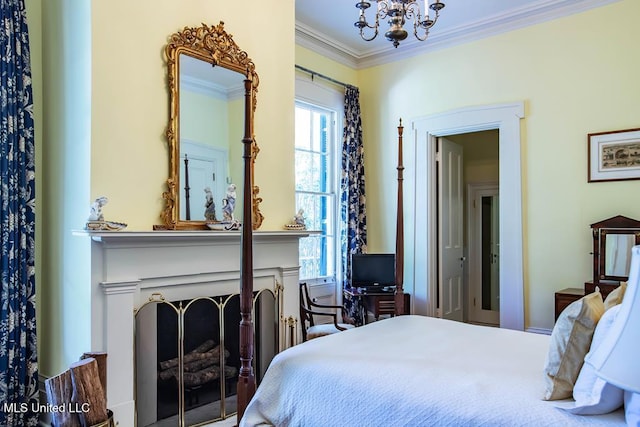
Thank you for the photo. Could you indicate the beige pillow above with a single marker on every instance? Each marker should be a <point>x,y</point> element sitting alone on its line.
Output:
<point>570,342</point>
<point>615,296</point>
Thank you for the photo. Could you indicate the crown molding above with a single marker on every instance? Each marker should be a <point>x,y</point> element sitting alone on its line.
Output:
<point>324,45</point>
<point>208,88</point>
<point>541,11</point>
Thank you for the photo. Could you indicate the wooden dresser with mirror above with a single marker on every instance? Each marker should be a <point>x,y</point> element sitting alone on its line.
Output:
<point>613,239</point>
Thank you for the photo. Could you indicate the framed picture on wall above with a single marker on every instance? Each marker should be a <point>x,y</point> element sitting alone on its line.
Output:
<point>614,155</point>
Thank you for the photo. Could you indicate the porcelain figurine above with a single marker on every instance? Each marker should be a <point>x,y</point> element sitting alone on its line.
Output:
<point>96,221</point>
<point>95,213</point>
<point>229,203</point>
<point>299,222</point>
<point>299,218</point>
<point>209,205</point>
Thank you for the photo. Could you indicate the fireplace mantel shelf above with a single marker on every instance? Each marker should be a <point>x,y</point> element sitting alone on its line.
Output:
<point>187,234</point>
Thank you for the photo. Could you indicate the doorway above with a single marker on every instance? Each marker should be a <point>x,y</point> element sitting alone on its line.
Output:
<point>468,259</point>
<point>421,263</point>
<point>483,231</point>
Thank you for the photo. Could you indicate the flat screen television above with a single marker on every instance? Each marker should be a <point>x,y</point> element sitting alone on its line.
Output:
<point>373,270</point>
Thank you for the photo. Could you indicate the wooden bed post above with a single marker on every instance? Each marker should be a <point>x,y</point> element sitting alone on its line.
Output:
<point>246,377</point>
<point>399,296</point>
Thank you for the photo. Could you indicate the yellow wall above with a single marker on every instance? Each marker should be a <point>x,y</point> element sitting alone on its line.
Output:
<point>105,111</point>
<point>576,75</point>
<point>328,67</point>
<point>130,107</point>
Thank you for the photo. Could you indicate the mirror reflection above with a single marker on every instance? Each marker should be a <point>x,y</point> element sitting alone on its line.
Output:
<point>211,125</point>
<point>618,254</point>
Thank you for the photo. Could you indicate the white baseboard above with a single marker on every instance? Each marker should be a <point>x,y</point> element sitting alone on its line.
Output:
<point>542,331</point>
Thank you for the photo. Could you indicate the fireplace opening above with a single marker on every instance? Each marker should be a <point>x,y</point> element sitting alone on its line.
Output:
<point>207,361</point>
<point>205,331</point>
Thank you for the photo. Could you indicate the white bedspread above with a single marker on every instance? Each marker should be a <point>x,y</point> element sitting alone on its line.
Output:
<point>412,371</point>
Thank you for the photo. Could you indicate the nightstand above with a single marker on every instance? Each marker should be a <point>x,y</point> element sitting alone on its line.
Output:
<point>566,297</point>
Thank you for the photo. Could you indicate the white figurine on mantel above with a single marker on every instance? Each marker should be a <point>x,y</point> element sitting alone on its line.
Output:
<point>95,213</point>
<point>229,203</point>
<point>96,220</point>
<point>209,205</point>
<point>299,221</point>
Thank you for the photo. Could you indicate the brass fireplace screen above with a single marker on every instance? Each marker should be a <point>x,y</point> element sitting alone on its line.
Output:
<point>187,355</point>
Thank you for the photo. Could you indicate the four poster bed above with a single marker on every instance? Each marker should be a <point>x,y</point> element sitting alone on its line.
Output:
<point>403,371</point>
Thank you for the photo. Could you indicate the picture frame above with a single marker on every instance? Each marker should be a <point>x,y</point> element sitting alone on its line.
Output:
<point>614,155</point>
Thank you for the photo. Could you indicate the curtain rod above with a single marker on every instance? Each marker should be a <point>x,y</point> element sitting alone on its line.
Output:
<point>313,73</point>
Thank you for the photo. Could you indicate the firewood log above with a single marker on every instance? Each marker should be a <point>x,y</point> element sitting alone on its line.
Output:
<point>101,358</point>
<point>195,355</point>
<point>59,393</point>
<point>88,395</point>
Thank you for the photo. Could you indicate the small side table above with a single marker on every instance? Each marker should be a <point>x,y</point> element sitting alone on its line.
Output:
<point>566,297</point>
<point>605,286</point>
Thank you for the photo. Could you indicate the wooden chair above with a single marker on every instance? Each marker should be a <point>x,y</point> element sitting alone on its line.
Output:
<point>309,309</point>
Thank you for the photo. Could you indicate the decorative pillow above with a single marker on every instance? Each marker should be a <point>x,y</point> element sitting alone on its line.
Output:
<point>615,296</point>
<point>592,394</point>
<point>570,342</point>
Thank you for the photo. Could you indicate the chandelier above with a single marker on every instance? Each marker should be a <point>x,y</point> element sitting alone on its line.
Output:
<point>398,11</point>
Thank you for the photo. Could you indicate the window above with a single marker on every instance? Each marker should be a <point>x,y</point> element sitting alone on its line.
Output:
<point>316,188</point>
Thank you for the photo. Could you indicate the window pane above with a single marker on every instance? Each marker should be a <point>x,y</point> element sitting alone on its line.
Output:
<point>318,210</point>
<point>317,257</point>
<point>310,172</point>
<point>303,128</point>
<point>315,193</point>
<point>320,123</point>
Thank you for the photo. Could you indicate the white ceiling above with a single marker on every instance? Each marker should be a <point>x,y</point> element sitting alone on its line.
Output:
<point>326,26</point>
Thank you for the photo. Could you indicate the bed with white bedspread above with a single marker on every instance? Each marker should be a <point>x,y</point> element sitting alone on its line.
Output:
<point>413,371</point>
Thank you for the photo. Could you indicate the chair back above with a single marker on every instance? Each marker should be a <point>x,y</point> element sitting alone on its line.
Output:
<point>306,318</point>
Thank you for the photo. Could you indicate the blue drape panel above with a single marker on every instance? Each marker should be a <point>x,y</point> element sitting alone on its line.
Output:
<point>352,203</point>
<point>18,361</point>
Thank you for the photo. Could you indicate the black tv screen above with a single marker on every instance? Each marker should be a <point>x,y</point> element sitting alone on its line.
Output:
<point>373,269</point>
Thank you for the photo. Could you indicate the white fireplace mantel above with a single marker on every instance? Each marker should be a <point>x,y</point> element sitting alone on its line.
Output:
<point>128,267</point>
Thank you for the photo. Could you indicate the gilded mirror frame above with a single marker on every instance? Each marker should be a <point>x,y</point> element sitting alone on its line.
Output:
<point>217,47</point>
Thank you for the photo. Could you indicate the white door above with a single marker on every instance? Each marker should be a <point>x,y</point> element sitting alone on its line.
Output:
<point>207,168</point>
<point>484,254</point>
<point>450,235</point>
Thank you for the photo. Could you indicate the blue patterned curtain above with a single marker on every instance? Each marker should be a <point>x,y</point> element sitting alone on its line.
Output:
<point>18,362</point>
<point>352,203</point>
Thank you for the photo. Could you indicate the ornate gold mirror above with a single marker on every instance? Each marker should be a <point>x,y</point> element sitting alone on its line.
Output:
<point>210,108</point>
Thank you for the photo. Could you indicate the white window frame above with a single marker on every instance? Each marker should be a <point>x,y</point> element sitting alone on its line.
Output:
<point>328,97</point>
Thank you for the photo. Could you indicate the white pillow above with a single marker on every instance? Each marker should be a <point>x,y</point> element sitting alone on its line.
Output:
<point>632,408</point>
<point>592,394</point>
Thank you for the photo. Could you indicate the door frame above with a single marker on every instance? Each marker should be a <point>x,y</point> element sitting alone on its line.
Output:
<point>421,259</point>
<point>474,241</point>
